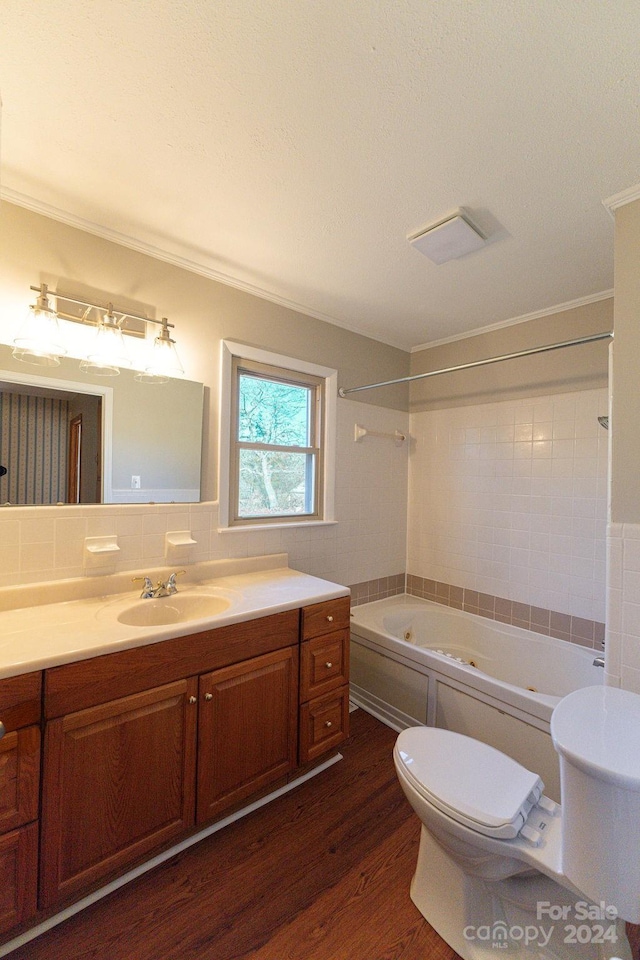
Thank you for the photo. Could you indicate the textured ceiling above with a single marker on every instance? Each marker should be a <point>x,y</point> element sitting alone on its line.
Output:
<point>291,146</point>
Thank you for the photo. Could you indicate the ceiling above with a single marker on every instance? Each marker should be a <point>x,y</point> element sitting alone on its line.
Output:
<point>289,147</point>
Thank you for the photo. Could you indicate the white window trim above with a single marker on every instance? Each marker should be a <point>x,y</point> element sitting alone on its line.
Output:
<point>229,350</point>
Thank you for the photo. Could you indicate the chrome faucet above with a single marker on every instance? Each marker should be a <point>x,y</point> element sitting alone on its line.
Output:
<point>147,590</point>
<point>164,588</point>
<point>599,661</point>
<point>168,587</point>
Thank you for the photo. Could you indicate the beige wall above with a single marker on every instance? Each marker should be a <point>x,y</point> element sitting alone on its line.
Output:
<point>582,367</point>
<point>625,407</point>
<point>34,249</point>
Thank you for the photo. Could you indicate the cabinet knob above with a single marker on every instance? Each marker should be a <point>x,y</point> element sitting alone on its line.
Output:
<point>208,696</point>
<point>328,724</point>
<point>2,730</point>
<point>330,618</point>
<point>193,699</point>
<point>328,665</point>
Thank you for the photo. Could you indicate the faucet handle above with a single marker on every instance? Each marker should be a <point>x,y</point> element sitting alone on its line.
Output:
<point>171,582</point>
<point>147,590</point>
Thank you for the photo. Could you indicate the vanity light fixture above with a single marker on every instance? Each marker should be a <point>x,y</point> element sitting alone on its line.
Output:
<point>38,339</point>
<point>107,352</point>
<point>164,361</point>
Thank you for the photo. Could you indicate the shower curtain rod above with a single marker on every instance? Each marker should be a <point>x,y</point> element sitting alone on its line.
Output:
<point>343,391</point>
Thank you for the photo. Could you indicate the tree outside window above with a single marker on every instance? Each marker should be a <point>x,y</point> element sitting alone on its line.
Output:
<point>277,427</point>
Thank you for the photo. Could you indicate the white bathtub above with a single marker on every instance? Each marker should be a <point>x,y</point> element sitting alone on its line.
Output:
<point>489,680</point>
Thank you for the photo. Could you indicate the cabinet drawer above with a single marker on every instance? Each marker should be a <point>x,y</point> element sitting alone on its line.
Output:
<point>325,617</point>
<point>324,723</point>
<point>87,683</point>
<point>19,777</point>
<point>20,700</point>
<point>324,664</point>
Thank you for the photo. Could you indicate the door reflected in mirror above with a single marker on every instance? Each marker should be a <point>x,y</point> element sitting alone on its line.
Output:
<point>70,438</point>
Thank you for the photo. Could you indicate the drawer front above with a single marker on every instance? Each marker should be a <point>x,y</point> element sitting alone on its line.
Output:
<point>19,777</point>
<point>88,683</point>
<point>324,723</point>
<point>324,664</point>
<point>20,700</point>
<point>325,617</point>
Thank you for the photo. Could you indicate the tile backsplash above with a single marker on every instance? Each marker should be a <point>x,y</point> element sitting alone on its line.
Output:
<point>368,540</point>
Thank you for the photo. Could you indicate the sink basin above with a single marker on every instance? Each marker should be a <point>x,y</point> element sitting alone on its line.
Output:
<point>179,608</point>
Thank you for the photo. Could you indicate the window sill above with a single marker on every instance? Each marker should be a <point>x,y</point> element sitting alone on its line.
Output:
<point>292,525</point>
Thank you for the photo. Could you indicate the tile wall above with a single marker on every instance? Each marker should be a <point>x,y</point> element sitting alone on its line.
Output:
<point>509,500</point>
<point>622,660</point>
<point>368,542</point>
<point>588,633</point>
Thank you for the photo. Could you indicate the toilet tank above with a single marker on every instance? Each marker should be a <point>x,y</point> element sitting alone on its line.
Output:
<point>596,732</point>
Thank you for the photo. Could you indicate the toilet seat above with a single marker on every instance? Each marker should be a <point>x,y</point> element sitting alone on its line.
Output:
<point>469,781</point>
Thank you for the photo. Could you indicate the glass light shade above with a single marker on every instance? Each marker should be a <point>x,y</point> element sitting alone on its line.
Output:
<point>164,362</point>
<point>38,340</point>
<point>107,352</point>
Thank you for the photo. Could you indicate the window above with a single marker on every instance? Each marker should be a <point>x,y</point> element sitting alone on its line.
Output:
<point>277,414</point>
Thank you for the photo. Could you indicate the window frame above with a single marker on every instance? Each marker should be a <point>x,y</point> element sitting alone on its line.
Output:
<point>236,357</point>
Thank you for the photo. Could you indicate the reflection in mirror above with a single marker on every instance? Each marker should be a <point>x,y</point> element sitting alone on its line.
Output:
<point>69,438</point>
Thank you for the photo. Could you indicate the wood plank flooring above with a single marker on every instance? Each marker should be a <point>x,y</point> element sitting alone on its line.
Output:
<point>321,873</point>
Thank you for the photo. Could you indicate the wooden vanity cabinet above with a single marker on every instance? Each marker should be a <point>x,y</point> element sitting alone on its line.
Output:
<point>247,733</point>
<point>131,767</point>
<point>119,783</point>
<point>20,710</point>
<point>324,677</point>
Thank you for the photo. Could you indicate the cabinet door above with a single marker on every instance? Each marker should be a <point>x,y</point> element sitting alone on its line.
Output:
<point>18,873</point>
<point>247,729</point>
<point>19,777</point>
<point>118,783</point>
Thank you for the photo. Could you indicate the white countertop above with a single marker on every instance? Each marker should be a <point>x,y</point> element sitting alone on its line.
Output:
<point>46,634</point>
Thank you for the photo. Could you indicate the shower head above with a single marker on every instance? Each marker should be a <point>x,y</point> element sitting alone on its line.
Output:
<point>604,422</point>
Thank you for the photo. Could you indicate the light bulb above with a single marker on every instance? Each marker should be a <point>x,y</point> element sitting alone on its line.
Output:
<point>38,340</point>
<point>108,352</point>
<point>164,362</point>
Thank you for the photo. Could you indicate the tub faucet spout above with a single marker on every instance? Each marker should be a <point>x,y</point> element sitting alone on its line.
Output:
<point>598,662</point>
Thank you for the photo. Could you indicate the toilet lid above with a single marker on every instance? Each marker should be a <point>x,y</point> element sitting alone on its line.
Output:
<point>467,780</point>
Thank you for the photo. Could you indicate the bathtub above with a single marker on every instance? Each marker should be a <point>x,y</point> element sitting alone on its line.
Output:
<point>418,662</point>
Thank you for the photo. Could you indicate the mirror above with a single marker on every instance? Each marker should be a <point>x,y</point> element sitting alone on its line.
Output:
<point>70,438</point>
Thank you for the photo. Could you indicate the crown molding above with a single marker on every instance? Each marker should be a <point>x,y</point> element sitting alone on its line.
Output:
<point>547,312</point>
<point>177,260</point>
<point>621,199</point>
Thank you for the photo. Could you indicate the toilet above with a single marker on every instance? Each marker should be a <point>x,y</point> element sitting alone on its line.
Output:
<point>501,867</point>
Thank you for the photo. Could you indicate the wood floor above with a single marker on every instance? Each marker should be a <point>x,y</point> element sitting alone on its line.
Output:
<point>321,873</point>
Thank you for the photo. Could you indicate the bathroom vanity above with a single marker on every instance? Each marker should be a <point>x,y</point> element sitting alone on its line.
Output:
<point>117,750</point>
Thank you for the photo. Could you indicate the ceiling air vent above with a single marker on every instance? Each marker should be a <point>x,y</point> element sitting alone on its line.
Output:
<point>448,239</point>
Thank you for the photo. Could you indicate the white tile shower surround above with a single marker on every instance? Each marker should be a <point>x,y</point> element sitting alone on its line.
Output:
<point>623,606</point>
<point>46,543</point>
<point>510,499</point>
